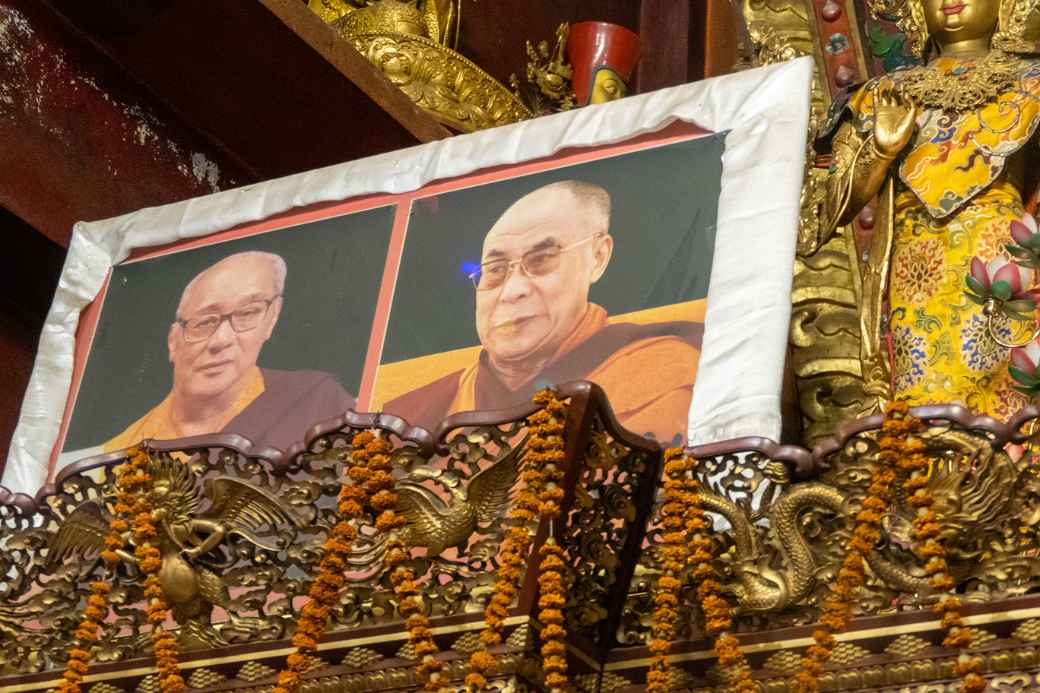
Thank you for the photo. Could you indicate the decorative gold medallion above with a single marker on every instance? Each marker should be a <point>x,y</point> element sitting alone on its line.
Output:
<point>960,85</point>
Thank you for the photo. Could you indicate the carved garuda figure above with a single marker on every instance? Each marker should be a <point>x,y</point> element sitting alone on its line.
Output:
<point>946,148</point>
<point>190,541</point>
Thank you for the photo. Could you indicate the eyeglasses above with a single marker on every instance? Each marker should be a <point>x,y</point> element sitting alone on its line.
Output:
<point>242,319</point>
<point>533,263</point>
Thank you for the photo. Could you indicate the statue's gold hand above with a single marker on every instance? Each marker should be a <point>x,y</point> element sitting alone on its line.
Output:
<point>894,116</point>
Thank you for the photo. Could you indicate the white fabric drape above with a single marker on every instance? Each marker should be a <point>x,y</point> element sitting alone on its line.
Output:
<point>764,111</point>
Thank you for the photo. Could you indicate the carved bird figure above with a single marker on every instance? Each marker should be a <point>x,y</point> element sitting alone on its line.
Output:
<point>438,525</point>
<point>185,536</point>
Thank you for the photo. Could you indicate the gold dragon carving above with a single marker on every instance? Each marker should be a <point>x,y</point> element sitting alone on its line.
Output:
<point>782,542</point>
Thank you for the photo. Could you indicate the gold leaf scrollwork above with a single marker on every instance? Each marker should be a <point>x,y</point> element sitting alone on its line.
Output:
<point>443,82</point>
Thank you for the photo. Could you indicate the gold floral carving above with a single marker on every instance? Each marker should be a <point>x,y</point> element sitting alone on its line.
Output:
<point>443,82</point>
<point>410,42</point>
<point>779,30</point>
<point>1019,26</point>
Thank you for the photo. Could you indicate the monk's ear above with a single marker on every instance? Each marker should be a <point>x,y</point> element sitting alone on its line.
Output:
<point>171,341</point>
<point>602,249</point>
<point>272,316</point>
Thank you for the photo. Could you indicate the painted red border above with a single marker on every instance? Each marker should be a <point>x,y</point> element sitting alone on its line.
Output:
<point>677,132</point>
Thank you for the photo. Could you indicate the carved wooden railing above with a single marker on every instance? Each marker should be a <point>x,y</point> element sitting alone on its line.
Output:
<point>244,595</point>
<point>783,515</point>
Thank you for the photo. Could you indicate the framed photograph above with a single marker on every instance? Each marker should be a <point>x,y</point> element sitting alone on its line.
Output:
<point>260,335</point>
<point>646,245</point>
<point>595,267</point>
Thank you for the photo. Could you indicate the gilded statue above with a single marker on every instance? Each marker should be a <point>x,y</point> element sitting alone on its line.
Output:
<point>944,147</point>
<point>190,541</point>
<point>549,74</point>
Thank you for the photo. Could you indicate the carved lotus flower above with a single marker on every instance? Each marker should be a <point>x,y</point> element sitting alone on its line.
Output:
<point>1003,284</point>
<point>1023,367</point>
<point>1003,278</point>
<point>1026,247</point>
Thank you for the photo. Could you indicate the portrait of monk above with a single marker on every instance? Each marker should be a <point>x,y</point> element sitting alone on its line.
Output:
<point>225,316</point>
<point>537,326</point>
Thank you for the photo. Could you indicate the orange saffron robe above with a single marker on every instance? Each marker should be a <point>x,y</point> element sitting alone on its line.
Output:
<point>158,422</point>
<point>647,371</point>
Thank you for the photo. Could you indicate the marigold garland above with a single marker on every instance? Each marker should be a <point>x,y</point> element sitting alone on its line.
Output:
<point>837,609</point>
<point>324,590</point>
<point>551,586</point>
<point>542,470</point>
<point>686,541</point>
<point>667,590</point>
<point>382,500</point>
<point>929,548</point>
<point>132,486</point>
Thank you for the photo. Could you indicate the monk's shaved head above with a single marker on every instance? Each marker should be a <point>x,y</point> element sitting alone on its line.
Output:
<point>249,261</point>
<point>538,262</point>
<point>590,201</point>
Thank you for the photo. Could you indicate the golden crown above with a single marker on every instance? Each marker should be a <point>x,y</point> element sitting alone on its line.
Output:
<point>1016,32</point>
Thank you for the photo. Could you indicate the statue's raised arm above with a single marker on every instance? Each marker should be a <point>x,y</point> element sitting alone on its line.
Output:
<point>942,147</point>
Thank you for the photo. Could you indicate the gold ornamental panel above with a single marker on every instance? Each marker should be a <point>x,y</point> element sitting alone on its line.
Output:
<point>444,83</point>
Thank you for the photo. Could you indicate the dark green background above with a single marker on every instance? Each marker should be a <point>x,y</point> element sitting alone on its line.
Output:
<point>664,201</point>
<point>334,270</point>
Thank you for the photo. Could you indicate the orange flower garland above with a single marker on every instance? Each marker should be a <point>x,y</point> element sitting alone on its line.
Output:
<point>929,548</point>
<point>718,618</point>
<point>370,489</point>
<point>673,555</point>
<point>551,599</point>
<point>686,528</point>
<point>837,610</point>
<point>86,635</point>
<point>382,500</point>
<point>149,561</point>
<point>132,485</point>
<point>540,495</point>
<point>550,457</point>
<point>324,591</point>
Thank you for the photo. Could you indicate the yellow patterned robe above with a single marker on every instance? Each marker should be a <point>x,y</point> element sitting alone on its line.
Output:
<point>957,192</point>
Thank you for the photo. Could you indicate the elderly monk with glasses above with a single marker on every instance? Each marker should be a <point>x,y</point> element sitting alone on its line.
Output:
<point>226,314</point>
<point>537,326</point>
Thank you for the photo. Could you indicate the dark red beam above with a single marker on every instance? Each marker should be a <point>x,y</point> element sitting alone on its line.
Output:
<point>81,140</point>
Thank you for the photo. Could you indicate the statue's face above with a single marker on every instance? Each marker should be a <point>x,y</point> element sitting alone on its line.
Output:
<point>952,21</point>
<point>606,86</point>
